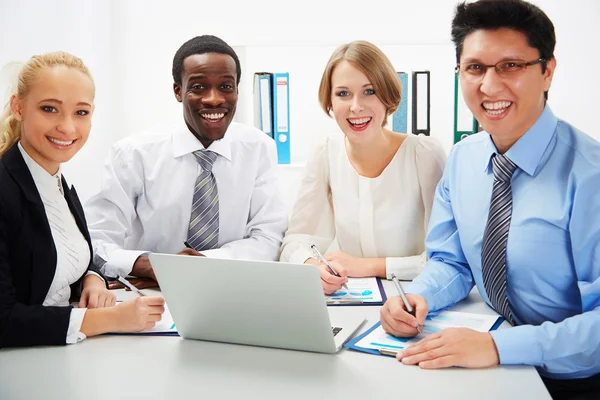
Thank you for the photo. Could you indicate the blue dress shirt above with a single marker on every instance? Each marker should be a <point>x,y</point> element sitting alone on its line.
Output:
<point>553,249</point>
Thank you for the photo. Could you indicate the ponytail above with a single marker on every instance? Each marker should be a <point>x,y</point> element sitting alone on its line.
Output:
<point>10,129</point>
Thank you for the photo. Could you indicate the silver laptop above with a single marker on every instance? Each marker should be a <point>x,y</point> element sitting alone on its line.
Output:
<point>250,302</point>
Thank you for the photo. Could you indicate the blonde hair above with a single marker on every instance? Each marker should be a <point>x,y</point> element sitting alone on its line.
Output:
<point>371,61</point>
<point>10,128</point>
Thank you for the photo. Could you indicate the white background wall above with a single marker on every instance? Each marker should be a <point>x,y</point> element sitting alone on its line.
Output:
<point>129,46</point>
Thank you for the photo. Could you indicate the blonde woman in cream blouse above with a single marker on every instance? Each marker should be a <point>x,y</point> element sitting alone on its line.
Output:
<point>371,189</point>
<point>45,247</point>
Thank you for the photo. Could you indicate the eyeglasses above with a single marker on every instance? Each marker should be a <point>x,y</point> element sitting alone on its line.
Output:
<point>474,72</point>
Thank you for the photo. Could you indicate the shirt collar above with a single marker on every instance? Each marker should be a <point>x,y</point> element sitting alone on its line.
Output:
<point>527,152</point>
<point>43,180</point>
<point>184,142</point>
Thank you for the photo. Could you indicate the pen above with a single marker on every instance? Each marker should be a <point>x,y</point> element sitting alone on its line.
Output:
<point>126,283</point>
<point>409,308</point>
<point>324,261</point>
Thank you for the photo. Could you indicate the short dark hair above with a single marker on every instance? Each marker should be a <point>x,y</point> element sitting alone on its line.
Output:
<point>202,45</point>
<point>518,15</point>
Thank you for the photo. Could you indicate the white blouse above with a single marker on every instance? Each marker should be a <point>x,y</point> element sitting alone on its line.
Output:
<point>72,250</point>
<point>386,216</point>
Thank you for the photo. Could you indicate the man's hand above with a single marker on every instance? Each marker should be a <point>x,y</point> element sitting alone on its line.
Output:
<point>396,321</point>
<point>142,268</point>
<point>453,347</point>
<point>95,294</point>
<point>190,252</point>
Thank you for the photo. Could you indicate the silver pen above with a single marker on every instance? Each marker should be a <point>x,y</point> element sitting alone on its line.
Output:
<point>126,283</point>
<point>324,261</point>
<point>409,308</point>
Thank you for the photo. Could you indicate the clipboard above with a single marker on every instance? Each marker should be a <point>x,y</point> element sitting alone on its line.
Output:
<point>391,351</point>
<point>331,302</point>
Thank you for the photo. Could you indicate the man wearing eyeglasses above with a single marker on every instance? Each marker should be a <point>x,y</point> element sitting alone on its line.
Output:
<point>516,213</point>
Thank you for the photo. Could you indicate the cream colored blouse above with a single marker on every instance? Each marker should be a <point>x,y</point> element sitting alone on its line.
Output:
<point>386,216</point>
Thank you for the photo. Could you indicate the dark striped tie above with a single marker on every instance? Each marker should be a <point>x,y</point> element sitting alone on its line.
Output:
<point>203,232</point>
<point>493,254</point>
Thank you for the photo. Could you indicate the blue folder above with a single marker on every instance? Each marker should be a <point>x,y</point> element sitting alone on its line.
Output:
<point>351,344</point>
<point>143,334</point>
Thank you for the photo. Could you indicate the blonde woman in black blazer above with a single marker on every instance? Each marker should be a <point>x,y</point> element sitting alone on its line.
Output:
<point>45,251</point>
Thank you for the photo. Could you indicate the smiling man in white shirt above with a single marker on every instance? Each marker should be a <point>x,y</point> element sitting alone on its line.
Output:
<point>210,182</point>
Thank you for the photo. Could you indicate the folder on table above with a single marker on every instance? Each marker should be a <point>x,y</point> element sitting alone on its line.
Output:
<point>400,116</point>
<point>464,122</point>
<point>377,341</point>
<point>281,115</point>
<point>361,292</point>
<point>263,102</point>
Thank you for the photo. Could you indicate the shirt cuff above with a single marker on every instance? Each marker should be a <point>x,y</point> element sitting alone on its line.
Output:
<point>97,274</point>
<point>405,268</point>
<point>422,290</point>
<point>74,334</point>
<point>517,345</point>
<point>121,262</point>
<point>301,255</point>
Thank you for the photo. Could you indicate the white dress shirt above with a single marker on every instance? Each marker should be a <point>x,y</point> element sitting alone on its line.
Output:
<point>145,201</point>
<point>72,250</point>
<point>382,217</point>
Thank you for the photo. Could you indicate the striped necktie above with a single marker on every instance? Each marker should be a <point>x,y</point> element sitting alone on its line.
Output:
<point>493,254</point>
<point>203,231</point>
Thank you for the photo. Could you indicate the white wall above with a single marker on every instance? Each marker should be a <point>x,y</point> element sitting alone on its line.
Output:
<point>129,46</point>
<point>30,27</point>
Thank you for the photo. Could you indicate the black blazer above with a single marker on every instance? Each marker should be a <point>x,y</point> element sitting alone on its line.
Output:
<point>28,259</point>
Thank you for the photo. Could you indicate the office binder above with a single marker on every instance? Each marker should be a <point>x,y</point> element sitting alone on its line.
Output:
<point>465,123</point>
<point>400,116</point>
<point>263,102</point>
<point>281,115</point>
<point>421,102</point>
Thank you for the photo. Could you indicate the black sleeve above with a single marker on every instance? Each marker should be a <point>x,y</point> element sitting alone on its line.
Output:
<point>20,324</point>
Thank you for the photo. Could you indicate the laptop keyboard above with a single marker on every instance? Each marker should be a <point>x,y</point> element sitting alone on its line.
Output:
<point>335,330</point>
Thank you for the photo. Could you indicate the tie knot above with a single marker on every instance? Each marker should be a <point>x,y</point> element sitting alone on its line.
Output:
<point>206,159</point>
<point>503,168</point>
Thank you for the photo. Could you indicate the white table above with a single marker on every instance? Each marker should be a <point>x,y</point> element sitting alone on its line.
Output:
<point>133,367</point>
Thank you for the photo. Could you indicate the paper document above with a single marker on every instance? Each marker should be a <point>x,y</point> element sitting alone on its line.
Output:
<point>377,338</point>
<point>361,290</point>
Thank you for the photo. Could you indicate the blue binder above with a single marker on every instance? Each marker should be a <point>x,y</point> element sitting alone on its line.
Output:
<point>281,115</point>
<point>400,117</point>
